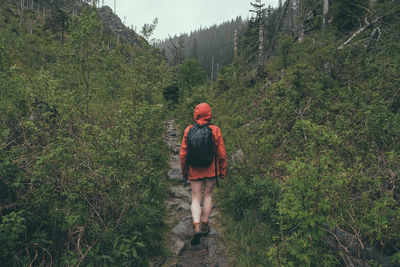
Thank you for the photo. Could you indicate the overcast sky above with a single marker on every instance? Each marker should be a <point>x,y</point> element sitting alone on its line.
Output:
<point>181,16</point>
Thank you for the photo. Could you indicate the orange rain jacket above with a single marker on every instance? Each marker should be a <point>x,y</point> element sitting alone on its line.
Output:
<point>202,115</point>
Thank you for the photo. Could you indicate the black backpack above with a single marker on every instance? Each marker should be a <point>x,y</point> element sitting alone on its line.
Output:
<point>201,150</point>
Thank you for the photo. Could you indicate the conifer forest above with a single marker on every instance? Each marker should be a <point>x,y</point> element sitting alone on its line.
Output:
<point>306,94</point>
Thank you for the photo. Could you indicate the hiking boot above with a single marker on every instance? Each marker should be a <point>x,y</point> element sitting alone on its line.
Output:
<point>197,234</point>
<point>204,228</point>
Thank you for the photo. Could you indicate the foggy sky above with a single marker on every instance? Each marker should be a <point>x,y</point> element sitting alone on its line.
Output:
<point>180,16</point>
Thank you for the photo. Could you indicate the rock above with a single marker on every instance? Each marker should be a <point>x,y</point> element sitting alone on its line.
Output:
<point>113,22</point>
<point>238,156</point>
<point>172,134</point>
<point>176,245</point>
<point>212,248</point>
<point>183,206</point>
<point>213,231</point>
<point>180,192</point>
<point>177,150</point>
<point>283,73</point>
<point>188,217</point>
<point>172,204</point>
<point>175,174</point>
<point>181,229</point>
<point>357,252</point>
<point>174,150</point>
<point>211,245</point>
<point>213,213</point>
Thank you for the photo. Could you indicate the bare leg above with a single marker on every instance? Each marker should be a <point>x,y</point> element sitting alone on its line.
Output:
<point>196,200</point>
<point>207,202</point>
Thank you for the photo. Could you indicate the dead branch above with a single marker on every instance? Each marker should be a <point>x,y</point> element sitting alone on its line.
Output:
<point>337,239</point>
<point>87,251</point>
<point>48,253</point>
<point>301,111</point>
<point>366,26</point>
<point>393,97</point>
<point>379,31</point>
<point>346,259</point>
<point>120,216</point>
<point>34,258</point>
<point>356,233</point>
<point>172,42</point>
<point>95,211</point>
<point>81,229</point>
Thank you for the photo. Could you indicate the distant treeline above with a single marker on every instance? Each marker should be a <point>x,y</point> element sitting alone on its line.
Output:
<point>204,43</point>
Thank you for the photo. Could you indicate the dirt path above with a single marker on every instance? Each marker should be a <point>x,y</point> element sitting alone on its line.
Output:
<point>211,250</point>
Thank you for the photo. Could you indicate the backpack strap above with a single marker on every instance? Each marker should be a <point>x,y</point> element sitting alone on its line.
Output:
<point>185,183</point>
<point>215,159</point>
<point>216,170</point>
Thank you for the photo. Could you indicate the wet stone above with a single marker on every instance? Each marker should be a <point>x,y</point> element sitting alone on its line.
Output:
<point>175,174</point>
<point>213,231</point>
<point>212,248</point>
<point>214,213</point>
<point>183,206</point>
<point>176,245</point>
<point>176,158</point>
<point>238,156</point>
<point>181,228</point>
<point>180,192</point>
<point>172,204</point>
<point>172,134</point>
<point>176,150</point>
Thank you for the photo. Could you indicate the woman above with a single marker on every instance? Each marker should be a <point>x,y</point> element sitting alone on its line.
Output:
<point>203,175</point>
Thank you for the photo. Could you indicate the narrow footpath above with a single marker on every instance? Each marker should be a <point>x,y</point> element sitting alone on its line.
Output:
<point>211,251</point>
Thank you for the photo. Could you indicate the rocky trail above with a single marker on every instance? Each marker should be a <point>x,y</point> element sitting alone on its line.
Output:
<point>211,251</point>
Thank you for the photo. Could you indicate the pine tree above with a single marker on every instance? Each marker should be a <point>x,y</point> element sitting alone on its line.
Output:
<point>195,50</point>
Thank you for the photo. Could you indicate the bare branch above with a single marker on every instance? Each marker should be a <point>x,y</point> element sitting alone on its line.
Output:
<point>87,251</point>
<point>379,31</point>
<point>95,211</point>
<point>366,26</point>
<point>337,239</point>
<point>80,231</point>
<point>120,216</point>
<point>34,258</point>
<point>393,97</point>
<point>48,253</point>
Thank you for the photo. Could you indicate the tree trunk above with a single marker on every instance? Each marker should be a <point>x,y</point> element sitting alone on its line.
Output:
<point>22,10</point>
<point>300,25</point>
<point>372,3</point>
<point>301,35</point>
<point>212,71</point>
<point>325,10</point>
<point>62,33</point>
<point>260,67</point>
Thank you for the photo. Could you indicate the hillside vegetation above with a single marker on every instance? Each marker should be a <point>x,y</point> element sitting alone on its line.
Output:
<point>312,134</point>
<point>83,158</point>
<point>313,143</point>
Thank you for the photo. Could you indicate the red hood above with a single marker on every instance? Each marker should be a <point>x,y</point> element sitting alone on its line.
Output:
<point>202,114</point>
